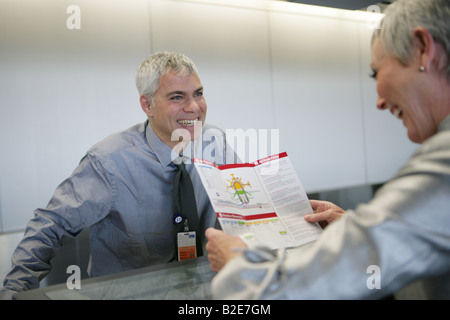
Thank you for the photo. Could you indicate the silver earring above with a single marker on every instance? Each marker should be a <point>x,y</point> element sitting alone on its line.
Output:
<point>422,69</point>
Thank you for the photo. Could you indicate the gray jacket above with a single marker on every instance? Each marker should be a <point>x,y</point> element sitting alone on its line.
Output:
<point>401,236</point>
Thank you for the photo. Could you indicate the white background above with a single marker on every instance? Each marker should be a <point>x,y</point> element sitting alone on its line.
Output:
<point>264,65</point>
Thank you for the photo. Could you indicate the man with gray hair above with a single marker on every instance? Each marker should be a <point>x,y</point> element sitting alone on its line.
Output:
<point>123,187</point>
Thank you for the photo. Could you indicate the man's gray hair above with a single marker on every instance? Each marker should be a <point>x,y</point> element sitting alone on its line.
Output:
<point>402,16</point>
<point>155,66</point>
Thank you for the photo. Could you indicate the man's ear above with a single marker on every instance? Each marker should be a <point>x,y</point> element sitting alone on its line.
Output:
<point>146,105</point>
<point>425,46</point>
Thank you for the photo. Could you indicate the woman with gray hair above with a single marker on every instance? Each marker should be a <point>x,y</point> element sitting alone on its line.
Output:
<point>402,235</point>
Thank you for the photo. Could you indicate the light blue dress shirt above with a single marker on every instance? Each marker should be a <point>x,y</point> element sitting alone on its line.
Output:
<point>122,189</point>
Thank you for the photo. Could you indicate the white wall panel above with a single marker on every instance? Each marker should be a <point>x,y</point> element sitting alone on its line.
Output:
<point>317,98</point>
<point>230,46</point>
<point>62,90</point>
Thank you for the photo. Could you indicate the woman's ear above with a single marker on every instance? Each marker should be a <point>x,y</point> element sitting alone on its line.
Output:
<point>146,105</point>
<point>424,46</point>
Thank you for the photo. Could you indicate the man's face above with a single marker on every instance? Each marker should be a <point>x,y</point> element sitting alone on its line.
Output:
<point>179,107</point>
<point>400,89</point>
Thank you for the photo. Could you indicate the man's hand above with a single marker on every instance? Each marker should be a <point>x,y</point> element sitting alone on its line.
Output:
<point>325,212</point>
<point>220,248</point>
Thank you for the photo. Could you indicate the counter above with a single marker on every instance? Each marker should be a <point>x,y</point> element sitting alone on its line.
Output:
<point>184,280</point>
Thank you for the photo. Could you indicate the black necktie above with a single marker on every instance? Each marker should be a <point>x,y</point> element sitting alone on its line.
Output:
<point>185,206</point>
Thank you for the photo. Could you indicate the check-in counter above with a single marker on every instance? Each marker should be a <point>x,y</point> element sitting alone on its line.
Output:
<point>184,280</point>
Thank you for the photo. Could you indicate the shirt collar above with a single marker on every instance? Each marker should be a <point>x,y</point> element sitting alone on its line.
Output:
<point>159,148</point>
<point>164,153</point>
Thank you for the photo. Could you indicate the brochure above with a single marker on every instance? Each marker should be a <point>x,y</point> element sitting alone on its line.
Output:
<point>263,202</point>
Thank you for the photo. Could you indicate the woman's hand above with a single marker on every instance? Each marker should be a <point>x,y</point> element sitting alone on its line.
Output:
<point>325,212</point>
<point>220,247</point>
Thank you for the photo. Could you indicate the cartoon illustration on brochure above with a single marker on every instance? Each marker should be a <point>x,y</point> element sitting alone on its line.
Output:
<point>239,189</point>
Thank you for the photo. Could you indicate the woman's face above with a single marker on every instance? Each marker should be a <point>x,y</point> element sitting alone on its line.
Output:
<point>404,91</point>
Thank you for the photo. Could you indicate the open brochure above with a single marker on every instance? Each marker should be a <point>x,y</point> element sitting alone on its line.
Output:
<point>262,202</point>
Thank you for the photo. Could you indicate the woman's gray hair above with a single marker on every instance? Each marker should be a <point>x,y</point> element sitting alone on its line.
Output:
<point>155,66</point>
<point>402,16</point>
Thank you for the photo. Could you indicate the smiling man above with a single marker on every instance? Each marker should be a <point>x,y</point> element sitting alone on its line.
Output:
<point>123,188</point>
<point>177,104</point>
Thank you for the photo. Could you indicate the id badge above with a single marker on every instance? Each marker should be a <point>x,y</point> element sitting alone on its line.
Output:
<point>186,245</point>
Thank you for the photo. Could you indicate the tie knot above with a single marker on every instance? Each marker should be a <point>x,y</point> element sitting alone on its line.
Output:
<point>181,166</point>
<point>179,162</point>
